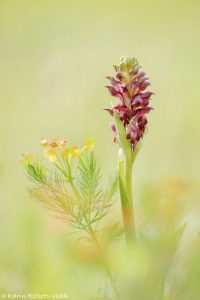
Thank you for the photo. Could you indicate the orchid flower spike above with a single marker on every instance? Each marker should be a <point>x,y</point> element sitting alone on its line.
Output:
<point>129,86</point>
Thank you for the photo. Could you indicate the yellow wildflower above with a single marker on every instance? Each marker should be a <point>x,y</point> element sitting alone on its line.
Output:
<point>75,152</point>
<point>51,154</point>
<point>44,142</point>
<point>71,152</point>
<point>54,143</point>
<point>89,144</point>
<point>63,143</point>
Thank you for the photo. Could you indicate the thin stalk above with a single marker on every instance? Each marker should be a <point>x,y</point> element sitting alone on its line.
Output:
<point>92,234</point>
<point>126,195</point>
<point>126,157</point>
<point>128,179</point>
<point>105,265</point>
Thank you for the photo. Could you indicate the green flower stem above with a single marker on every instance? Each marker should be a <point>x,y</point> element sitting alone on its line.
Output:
<point>126,159</point>
<point>126,195</point>
<point>128,178</point>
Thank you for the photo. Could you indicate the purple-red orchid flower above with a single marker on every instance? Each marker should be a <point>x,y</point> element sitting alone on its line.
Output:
<point>129,86</point>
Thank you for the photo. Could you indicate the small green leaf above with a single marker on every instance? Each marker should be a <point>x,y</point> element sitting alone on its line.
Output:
<point>124,142</point>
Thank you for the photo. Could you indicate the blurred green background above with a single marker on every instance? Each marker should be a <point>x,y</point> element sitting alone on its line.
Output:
<point>54,56</point>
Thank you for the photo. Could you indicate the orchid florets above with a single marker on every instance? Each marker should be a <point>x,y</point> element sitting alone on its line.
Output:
<point>129,86</point>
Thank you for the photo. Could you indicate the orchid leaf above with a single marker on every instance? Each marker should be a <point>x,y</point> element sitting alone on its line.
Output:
<point>124,142</point>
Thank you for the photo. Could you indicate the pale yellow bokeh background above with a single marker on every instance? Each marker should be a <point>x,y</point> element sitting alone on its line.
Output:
<point>54,56</point>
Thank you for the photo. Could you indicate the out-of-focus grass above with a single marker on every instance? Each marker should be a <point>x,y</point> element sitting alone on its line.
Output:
<point>54,56</point>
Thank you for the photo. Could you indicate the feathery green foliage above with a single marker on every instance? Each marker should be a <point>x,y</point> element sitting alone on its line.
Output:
<point>36,172</point>
<point>89,176</point>
<point>72,189</point>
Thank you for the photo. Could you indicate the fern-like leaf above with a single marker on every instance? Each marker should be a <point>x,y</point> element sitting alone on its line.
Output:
<point>36,172</point>
<point>89,176</point>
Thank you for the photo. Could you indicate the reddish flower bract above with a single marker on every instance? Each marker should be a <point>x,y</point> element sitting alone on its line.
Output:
<point>129,85</point>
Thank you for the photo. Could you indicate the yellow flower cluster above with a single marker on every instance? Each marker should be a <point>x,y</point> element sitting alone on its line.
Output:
<point>56,147</point>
